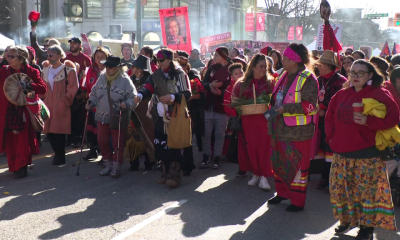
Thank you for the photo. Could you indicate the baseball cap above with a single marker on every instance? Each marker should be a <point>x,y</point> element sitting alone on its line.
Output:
<point>75,40</point>
<point>196,51</point>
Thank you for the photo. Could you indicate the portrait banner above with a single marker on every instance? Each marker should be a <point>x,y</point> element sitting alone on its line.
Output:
<point>175,28</point>
<point>209,44</point>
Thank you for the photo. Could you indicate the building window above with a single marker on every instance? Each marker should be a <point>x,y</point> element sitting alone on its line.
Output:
<point>124,9</point>
<point>93,9</point>
<point>151,9</point>
<point>180,3</point>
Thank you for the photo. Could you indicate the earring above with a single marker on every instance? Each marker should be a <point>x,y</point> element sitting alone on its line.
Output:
<point>369,83</point>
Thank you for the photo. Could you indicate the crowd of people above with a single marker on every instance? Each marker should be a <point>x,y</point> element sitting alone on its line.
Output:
<point>325,113</point>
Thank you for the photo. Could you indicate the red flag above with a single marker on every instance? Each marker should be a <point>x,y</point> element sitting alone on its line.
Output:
<point>385,50</point>
<point>330,42</point>
<point>249,22</point>
<point>299,33</point>
<point>396,49</point>
<point>290,35</point>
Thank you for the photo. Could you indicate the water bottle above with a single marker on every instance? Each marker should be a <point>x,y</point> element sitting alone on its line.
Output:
<point>279,99</point>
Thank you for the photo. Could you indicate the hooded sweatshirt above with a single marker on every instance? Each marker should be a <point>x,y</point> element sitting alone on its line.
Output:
<point>343,135</point>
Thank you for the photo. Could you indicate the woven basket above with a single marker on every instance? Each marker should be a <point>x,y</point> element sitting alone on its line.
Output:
<point>255,108</point>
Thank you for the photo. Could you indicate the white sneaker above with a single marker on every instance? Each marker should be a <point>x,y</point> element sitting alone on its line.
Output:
<point>254,181</point>
<point>264,184</point>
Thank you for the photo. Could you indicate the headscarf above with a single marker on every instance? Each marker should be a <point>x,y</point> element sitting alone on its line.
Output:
<point>164,55</point>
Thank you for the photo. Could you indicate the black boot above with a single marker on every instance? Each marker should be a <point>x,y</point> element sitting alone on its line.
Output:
<point>148,165</point>
<point>276,200</point>
<point>92,154</point>
<point>21,173</point>
<point>134,165</point>
<point>58,161</point>
<point>294,208</point>
<point>365,233</point>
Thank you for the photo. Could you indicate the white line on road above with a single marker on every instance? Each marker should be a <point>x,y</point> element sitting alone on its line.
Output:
<point>149,220</point>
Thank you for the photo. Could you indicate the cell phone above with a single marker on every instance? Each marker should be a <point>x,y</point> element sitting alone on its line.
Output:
<point>271,113</point>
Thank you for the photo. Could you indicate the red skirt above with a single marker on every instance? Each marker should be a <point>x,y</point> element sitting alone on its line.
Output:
<point>20,147</point>
<point>254,146</point>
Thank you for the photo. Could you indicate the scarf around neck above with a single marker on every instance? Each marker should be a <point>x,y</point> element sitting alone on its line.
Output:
<point>111,79</point>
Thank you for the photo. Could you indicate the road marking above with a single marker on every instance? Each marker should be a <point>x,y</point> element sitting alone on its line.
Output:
<point>149,220</point>
<point>48,156</point>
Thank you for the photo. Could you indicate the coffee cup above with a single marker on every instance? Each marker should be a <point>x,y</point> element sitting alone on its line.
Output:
<point>358,107</point>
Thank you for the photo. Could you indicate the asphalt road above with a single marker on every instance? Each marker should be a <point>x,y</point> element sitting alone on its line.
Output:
<point>54,203</point>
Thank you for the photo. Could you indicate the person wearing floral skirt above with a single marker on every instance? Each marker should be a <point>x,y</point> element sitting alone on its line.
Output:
<point>359,186</point>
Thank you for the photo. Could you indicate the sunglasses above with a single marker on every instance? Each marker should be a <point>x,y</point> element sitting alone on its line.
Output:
<point>160,59</point>
<point>11,56</point>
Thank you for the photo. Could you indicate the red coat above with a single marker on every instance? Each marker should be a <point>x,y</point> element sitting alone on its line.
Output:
<point>339,123</point>
<point>231,112</point>
<point>396,95</point>
<point>38,86</point>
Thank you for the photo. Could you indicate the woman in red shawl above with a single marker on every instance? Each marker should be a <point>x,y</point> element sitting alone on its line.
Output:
<point>254,141</point>
<point>17,135</point>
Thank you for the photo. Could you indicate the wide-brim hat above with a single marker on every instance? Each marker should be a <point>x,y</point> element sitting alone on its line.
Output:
<point>112,61</point>
<point>142,62</point>
<point>329,57</point>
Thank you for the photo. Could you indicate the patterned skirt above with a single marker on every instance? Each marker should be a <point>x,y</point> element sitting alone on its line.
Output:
<point>360,192</point>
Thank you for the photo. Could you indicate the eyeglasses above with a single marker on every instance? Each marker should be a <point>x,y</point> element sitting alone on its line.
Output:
<point>359,74</point>
<point>160,59</point>
<point>51,55</point>
<point>11,56</point>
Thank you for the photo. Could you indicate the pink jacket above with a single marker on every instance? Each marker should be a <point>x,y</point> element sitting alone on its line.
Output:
<point>60,98</point>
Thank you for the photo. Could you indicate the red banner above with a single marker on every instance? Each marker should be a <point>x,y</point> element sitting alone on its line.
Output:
<point>260,21</point>
<point>290,34</point>
<point>206,43</point>
<point>249,22</point>
<point>299,33</point>
<point>396,49</point>
<point>175,28</point>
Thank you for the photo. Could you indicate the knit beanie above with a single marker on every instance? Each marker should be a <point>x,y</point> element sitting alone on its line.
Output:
<point>223,52</point>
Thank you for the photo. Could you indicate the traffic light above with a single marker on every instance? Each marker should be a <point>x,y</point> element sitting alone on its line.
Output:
<point>397,20</point>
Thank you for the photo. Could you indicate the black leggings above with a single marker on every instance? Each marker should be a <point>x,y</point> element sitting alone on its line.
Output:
<point>57,142</point>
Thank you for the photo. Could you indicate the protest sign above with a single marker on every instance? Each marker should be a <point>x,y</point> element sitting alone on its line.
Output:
<point>175,28</point>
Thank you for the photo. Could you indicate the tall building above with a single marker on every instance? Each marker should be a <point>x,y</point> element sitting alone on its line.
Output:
<point>63,18</point>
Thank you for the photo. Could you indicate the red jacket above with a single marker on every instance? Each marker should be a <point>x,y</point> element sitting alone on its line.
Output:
<point>344,135</point>
<point>38,86</point>
<point>396,96</point>
<point>231,112</point>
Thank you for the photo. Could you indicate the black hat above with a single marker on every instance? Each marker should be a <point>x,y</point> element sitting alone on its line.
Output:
<point>142,62</point>
<point>75,40</point>
<point>112,61</point>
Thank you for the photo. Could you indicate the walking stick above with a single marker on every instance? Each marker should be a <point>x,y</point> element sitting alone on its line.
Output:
<point>119,129</point>
<point>83,140</point>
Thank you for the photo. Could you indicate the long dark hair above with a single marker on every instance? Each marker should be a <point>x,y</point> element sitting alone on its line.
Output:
<point>382,65</point>
<point>342,70</point>
<point>279,64</point>
<point>305,56</point>
<point>248,75</point>
<point>377,78</point>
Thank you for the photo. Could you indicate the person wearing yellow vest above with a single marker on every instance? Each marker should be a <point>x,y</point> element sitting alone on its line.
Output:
<point>294,98</point>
